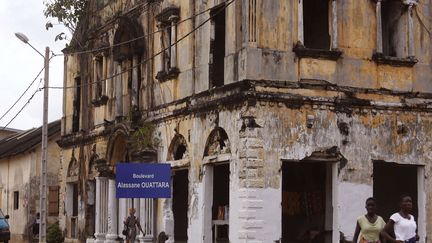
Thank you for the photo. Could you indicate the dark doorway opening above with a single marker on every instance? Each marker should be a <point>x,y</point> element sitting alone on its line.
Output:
<point>180,205</point>
<point>316,24</point>
<point>306,202</point>
<point>220,206</point>
<point>390,182</point>
<point>217,48</point>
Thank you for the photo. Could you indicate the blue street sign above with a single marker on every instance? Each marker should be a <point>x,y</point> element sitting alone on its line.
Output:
<point>136,180</point>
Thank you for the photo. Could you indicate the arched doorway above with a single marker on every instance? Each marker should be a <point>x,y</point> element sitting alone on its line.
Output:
<point>178,151</point>
<point>216,170</point>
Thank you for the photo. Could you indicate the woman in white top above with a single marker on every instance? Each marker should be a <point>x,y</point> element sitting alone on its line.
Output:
<point>370,225</point>
<point>402,224</point>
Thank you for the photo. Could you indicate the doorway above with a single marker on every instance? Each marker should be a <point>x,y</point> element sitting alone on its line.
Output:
<point>307,202</point>
<point>180,205</point>
<point>390,182</point>
<point>220,204</point>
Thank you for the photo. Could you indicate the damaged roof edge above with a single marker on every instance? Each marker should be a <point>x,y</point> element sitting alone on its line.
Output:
<point>26,140</point>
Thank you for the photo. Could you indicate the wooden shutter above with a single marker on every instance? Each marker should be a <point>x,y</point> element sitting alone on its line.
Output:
<point>53,201</point>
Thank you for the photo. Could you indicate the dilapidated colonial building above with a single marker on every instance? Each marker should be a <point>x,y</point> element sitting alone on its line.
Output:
<point>20,170</point>
<point>278,117</point>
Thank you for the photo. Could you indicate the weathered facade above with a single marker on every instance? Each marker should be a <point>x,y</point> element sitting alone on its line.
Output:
<point>279,118</point>
<point>20,163</point>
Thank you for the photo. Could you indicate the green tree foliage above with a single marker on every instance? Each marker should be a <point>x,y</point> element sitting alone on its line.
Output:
<point>54,234</point>
<point>67,12</point>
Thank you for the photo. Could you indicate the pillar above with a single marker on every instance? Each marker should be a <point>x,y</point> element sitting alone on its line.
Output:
<point>410,32</point>
<point>334,25</point>
<point>379,27</point>
<point>300,22</point>
<point>95,78</point>
<point>118,89</point>
<point>122,209</point>
<point>101,209</point>
<point>147,219</point>
<point>112,212</point>
<point>104,74</point>
<point>173,55</point>
<point>135,88</point>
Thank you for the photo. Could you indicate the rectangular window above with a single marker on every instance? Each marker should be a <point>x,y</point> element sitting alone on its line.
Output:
<point>316,24</point>
<point>76,105</point>
<point>98,77</point>
<point>393,29</point>
<point>217,47</point>
<point>53,201</point>
<point>16,200</point>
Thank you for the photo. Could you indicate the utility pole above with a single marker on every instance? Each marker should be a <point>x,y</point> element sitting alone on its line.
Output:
<point>43,175</point>
<point>43,180</point>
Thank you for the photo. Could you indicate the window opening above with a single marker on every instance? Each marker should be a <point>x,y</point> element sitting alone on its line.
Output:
<point>393,33</point>
<point>53,201</point>
<point>217,48</point>
<point>220,205</point>
<point>180,205</point>
<point>76,105</point>
<point>16,200</point>
<point>179,153</point>
<point>316,24</point>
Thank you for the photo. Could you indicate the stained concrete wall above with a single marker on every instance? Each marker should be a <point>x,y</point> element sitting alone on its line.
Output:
<point>22,173</point>
<point>257,152</point>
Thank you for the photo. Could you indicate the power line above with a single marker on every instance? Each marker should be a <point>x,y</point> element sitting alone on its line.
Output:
<point>152,57</point>
<point>24,106</point>
<point>25,91</point>
<point>137,38</point>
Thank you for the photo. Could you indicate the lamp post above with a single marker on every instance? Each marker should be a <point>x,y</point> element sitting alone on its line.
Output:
<point>43,176</point>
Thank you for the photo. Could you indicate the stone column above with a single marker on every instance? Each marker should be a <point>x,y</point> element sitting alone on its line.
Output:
<point>379,27</point>
<point>173,55</point>
<point>334,19</point>
<point>162,47</point>
<point>147,219</point>
<point>104,74</point>
<point>101,210</point>
<point>118,89</point>
<point>95,78</point>
<point>410,31</point>
<point>300,32</point>
<point>135,88</point>
<point>122,209</point>
<point>112,212</point>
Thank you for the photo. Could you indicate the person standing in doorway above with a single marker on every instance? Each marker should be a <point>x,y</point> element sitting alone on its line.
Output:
<point>369,225</point>
<point>131,223</point>
<point>35,226</point>
<point>402,224</point>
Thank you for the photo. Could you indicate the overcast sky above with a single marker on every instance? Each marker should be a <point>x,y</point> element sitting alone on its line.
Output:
<point>19,64</point>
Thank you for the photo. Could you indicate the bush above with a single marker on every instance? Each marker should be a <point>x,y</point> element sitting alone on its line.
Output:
<point>54,234</point>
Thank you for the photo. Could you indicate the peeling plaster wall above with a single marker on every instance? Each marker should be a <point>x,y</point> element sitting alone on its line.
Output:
<point>262,134</point>
<point>21,173</point>
<point>257,154</point>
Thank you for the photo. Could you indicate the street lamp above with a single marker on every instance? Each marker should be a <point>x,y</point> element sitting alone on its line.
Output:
<point>43,182</point>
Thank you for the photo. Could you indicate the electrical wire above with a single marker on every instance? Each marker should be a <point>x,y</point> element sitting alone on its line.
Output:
<point>19,98</point>
<point>25,91</point>
<point>137,38</point>
<point>153,56</point>
<point>24,106</point>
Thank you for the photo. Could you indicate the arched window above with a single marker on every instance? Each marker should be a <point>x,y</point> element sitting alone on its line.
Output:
<point>127,52</point>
